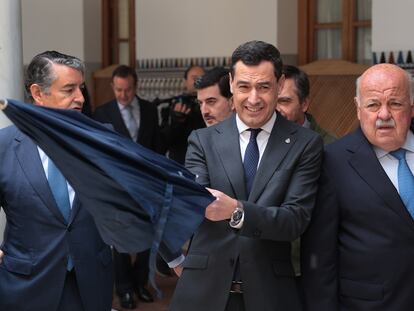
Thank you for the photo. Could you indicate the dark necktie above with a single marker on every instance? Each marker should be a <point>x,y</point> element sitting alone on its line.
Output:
<point>59,187</point>
<point>405,181</point>
<point>251,159</point>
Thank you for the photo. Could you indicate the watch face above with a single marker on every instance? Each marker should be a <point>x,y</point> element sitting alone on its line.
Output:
<point>237,215</point>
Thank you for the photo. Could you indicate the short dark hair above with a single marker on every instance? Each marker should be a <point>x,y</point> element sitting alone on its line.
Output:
<point>124,71</point>
<point>188,70</point>
<point>254,52</point>
<point>40,69</point>
<point>217,75</point>
<point>301,80</point>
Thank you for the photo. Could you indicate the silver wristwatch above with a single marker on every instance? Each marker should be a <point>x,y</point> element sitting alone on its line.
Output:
<point>237,217</point>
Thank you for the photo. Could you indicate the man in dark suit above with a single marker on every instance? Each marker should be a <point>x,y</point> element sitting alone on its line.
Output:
<point>52,257</point>
<point>358,251</point>
<point>244,263</point>
<point>137,119</point>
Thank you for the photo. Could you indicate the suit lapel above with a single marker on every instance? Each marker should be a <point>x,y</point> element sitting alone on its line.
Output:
<point>364,161</point>
<point>282,138</point>
<point>118,122</point>
<point>75,209</point>
<point>29,159</point>
<point>227,145</point>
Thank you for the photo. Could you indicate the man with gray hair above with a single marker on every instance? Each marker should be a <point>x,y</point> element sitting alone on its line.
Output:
<point>357,252</point>
<point>52,257</point>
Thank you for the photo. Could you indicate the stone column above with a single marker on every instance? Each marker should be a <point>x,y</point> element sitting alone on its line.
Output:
<point>11,61</point>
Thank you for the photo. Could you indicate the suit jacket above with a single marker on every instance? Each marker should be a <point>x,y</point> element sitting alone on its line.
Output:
<point>37,239</point>
<point>358,251</point>
<point>148,133</point>
<point>276,213</point>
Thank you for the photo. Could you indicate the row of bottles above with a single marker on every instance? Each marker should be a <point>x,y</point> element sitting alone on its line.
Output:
<point>401,58</point>
<point>170,63</point>
<point>159,87</point>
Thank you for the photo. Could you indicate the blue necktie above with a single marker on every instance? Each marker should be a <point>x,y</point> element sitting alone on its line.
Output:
<point>251,159</point>
<point>405,181</point>
<point>59,187</point>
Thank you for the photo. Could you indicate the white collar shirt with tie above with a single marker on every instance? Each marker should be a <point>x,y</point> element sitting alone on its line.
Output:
<point>390,163</point>
<point>45,163</point>
<point>262,137</point>
<point>136,114</point>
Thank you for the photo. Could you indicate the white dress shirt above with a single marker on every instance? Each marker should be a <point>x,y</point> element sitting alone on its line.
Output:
<point>390,163</point>
<point>45,162</point>
<point>262,137</point>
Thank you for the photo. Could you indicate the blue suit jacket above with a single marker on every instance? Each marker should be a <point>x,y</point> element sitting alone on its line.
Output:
<point>37,239</point>
<point>358,251</point>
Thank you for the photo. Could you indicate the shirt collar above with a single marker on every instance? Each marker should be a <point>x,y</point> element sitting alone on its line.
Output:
<point>267,127</point>
<point>306,123</point>
<point>134,102</point>
<point>408,145</point>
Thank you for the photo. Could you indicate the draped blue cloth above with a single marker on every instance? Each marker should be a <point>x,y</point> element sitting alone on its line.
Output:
<point>138,198</point>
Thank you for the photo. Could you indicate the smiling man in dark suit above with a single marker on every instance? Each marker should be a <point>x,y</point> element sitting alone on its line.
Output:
<point>137,119</point>
<point>52,257</point>
<point>358,251</point>
<point>264,171</point>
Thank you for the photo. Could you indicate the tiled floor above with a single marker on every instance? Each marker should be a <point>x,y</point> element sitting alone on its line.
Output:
<point>166,284</point>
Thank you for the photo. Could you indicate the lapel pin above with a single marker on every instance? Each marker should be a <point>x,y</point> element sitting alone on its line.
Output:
<point>287,140</point>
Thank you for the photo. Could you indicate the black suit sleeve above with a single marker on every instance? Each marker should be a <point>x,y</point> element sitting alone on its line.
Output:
<point>319,250</point>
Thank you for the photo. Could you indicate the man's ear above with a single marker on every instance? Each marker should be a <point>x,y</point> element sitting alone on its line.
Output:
<point>231,82</point>
<point>305,104</point>
<point>356,102</point>
<point>280,84</point>
<point>37,94</point>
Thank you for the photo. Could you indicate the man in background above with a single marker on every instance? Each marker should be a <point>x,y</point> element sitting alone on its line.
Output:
<point>52,257</point>
<point>214,96</point>
<point>293,102</point>
<point>137,119</point>
<point>185,116</point>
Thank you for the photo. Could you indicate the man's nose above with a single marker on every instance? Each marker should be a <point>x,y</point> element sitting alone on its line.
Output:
<point>253,96</point>
<point>384,112</point>
<point>79,96</point>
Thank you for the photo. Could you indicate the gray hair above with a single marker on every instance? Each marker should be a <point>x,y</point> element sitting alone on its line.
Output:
<point>410,85</point>
<point>40,70</point>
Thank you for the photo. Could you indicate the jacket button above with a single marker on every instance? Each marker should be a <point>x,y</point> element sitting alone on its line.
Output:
<point>257,233</point>
<point>69,229</point>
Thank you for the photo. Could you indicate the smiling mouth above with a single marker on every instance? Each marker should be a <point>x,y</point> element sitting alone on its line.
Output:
<point>253,109</point>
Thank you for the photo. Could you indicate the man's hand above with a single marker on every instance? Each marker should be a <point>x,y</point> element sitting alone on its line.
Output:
<point>1,255</point>
<point>221,208</point>
<point>178,270</point>
<point>181,111</point>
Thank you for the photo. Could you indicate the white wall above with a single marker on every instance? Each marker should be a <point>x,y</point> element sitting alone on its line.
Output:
<point>392,25</point>
<point>52,25</point>
<point>11,71</point>
<point>189,28</point>
<point>287,26</point>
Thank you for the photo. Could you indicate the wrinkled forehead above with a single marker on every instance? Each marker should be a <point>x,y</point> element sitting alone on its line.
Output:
<point>391,84</point>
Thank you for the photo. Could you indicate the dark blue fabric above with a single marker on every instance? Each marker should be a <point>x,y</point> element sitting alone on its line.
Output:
<point>137,197</point>
<point>251,159</point>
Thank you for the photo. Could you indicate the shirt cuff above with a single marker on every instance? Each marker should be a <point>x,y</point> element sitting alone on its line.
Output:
<point>176,262</point>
